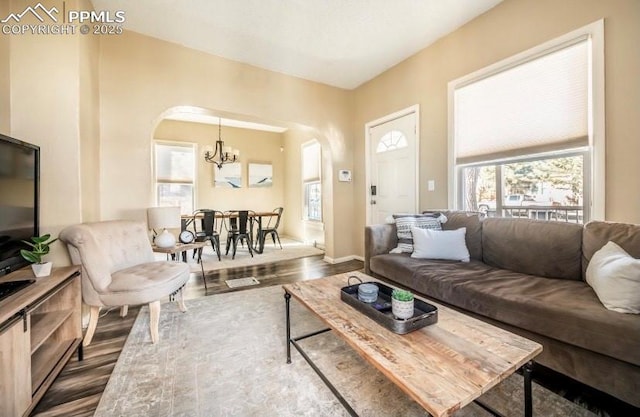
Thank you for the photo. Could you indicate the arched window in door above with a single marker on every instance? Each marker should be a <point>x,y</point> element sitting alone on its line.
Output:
<point>392,140</point>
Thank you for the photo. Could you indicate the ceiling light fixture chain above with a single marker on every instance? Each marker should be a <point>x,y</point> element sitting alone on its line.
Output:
<point>225,154</point>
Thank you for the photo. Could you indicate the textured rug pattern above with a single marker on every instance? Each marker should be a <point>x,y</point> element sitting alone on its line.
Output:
<point>226,357</point>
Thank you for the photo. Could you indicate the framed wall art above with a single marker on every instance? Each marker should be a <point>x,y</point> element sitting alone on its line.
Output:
<point>260,175</point>
<point>229,176</point>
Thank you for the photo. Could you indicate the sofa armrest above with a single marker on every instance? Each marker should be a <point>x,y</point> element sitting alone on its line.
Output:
<point>378,239</point>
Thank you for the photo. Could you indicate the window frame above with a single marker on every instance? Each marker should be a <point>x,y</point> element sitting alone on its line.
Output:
<point>306,185</point>
<point>157,182</point>
<point>401,143</point>
<point>594,159</point>
<point>584,153</point>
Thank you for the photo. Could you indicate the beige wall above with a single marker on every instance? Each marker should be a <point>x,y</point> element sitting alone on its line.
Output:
<point>141,78</point>
<point>45,110</point>
<point>254,146</point>
<point>509,28</point>
<point>5,83</point>
<point>89,124</point>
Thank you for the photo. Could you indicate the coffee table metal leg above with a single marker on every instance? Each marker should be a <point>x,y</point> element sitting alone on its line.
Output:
<point>326,381</point>
<point>294,342</point>
<point>287,301</point>
<point>527,370</point>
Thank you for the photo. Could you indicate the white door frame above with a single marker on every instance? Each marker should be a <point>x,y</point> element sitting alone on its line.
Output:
<point>415,109</point>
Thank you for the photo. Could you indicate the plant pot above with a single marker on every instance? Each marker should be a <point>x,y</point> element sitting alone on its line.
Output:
<point>402,309</point>
<point>42,270</point>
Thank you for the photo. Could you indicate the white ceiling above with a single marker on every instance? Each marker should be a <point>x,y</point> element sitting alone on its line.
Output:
<point>342,43</point>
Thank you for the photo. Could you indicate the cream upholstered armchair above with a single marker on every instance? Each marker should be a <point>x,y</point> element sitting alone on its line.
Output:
<point>119,269</point>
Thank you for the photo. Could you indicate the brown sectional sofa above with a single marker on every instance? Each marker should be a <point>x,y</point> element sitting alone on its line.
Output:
<point>528,276</point>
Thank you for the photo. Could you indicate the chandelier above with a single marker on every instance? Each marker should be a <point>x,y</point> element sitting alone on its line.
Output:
<point>224,154</point>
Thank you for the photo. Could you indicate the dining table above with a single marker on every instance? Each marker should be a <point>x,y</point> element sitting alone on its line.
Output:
<point>257,216</point>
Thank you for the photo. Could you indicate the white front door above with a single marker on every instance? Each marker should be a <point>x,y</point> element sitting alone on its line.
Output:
<point>393,167</point>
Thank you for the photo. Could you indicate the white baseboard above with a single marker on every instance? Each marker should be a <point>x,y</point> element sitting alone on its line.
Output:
<point>343,259</point>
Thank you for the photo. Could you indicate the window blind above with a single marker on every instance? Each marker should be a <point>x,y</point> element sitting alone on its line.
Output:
<point>311,162</point>
<point>538,106</point>
<point>174,163</point>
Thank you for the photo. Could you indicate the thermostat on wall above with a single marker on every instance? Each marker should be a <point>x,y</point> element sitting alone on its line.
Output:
<point>344,175</point>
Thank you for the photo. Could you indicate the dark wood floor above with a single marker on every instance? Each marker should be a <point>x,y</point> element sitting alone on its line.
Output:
<point>77,390</point>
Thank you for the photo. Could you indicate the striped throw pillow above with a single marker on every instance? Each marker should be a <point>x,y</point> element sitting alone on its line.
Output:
<point>404,223</point>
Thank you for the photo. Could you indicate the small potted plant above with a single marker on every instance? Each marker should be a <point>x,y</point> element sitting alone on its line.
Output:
<point>40,247</point>
<point>402,304</point>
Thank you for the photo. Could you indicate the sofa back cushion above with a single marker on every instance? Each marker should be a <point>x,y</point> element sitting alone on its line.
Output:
<point>543,248</point>
<point>596,234</point>
<point>471,221</point>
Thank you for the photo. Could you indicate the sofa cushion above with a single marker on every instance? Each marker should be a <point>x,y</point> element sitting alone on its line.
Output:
<point>395,266</point>
<point>536,247</point>
<point>158,279</point>
<point>615,277</point>
<point>596,234</point>
<point>473,224</point>
<point>566,310</point>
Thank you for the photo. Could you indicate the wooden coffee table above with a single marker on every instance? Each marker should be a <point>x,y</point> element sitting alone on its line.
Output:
<point>443,367</point>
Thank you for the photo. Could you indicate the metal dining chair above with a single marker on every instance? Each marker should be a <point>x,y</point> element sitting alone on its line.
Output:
<point>206,228</point>
<point>239,229</point>
<point>271,229</point>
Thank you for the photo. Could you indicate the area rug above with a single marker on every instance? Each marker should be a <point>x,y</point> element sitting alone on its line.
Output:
<point>226,357</point>
<point>291,249</point>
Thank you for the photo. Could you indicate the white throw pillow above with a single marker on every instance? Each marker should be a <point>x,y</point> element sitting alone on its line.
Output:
<point>440,244</point>
<point>615,277</point>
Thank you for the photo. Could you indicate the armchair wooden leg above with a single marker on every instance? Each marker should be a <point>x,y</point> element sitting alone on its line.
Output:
<point>94,314</point>
<point>180,300</point>
<point>154,318</point>
<point>124,310</point>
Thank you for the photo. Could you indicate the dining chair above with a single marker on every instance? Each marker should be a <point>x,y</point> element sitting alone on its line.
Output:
<point>206,227</point>
<point>272,228</point>
<point>239,225</point>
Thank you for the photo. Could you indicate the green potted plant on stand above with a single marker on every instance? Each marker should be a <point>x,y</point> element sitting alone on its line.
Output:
<point>402,304</point>
<point>40,247</point>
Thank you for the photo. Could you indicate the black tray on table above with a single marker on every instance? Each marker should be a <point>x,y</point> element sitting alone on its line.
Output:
<point>424,313</point>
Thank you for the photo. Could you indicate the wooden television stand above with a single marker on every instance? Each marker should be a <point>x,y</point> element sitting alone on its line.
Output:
<point>40,329</point>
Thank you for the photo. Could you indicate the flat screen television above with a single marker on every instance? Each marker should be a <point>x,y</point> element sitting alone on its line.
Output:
<point>19,191</point>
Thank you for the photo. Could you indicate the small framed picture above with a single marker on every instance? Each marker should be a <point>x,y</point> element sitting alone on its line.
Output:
<point>229,176</point>
<point>260,175</point>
